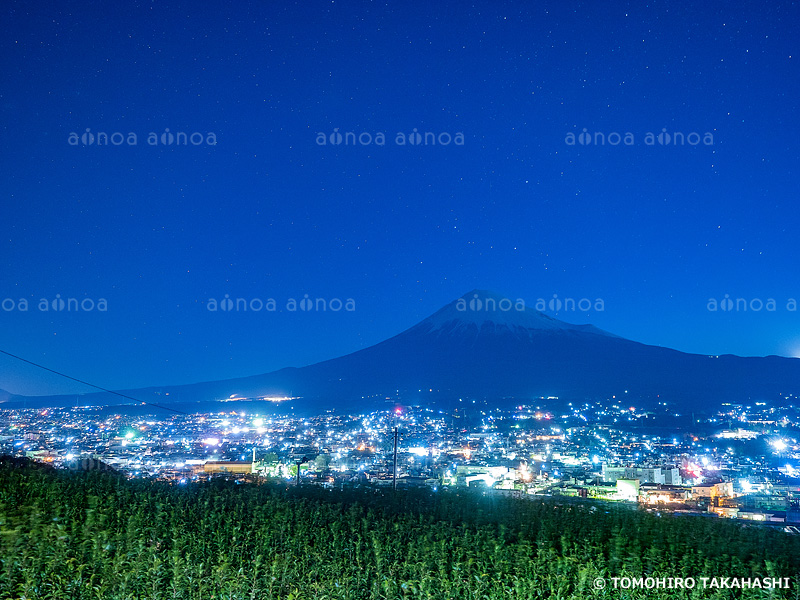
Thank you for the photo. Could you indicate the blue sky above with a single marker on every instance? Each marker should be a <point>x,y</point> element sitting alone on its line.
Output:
<point>653,230</point>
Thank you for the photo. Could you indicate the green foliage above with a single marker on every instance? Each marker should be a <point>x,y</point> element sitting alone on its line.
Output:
<point>321,462</point>
<point>100,536</point>
<point>270,458</point>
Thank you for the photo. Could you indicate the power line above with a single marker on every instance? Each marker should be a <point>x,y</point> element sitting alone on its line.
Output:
<point>30,362</point>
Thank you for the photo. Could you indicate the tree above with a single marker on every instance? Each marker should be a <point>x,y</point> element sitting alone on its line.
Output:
<point>321,462</point>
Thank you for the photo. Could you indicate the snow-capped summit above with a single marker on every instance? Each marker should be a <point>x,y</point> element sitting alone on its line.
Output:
<point>480,310</point>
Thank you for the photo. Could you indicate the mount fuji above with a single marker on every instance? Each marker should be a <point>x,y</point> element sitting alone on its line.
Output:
<point>485,346</point>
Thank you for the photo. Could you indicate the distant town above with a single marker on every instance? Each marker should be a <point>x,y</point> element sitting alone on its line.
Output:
<point>740,463</point>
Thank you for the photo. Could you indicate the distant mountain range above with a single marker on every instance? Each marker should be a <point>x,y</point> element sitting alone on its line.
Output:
<point>484,346</point>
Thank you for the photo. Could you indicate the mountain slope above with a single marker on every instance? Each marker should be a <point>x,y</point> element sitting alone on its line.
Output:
<point>478,347</point>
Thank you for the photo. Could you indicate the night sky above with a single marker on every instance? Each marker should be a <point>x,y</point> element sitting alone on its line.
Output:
<point>156,231</point>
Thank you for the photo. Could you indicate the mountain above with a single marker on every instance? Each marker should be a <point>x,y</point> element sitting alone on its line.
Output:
<point>484,346</point>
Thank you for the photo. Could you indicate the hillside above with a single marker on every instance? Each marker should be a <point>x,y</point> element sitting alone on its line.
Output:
<point>97,535</point>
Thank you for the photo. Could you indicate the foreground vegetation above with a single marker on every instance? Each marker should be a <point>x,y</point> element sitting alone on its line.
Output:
<point>98,535</point>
